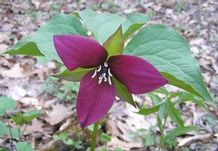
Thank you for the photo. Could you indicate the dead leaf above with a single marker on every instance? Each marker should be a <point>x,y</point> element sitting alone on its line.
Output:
<point>36,126</point>
<point>31,101</point>
<point>115,142</point>
<point>16,92</point>
<point>205,138</point>
<point>58,114</point>
<point>15,72</point>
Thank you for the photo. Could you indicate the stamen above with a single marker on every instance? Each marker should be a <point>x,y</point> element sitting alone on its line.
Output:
<point>99,69</point>
<point>95,73</point>
<point>104,76</point>
<point>100,79</point>
<point>105,64</point>
<point>109,79</point>
<point>109,72</point>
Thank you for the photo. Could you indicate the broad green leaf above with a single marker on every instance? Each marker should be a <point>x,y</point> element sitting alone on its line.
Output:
<point>180,131</point>
<point>105,138</point>
<point>134,22</point>
<point>174,113</point>
<point>122,92</point>
<point>105,24</point>
<point>41,42</point>
<point>6,104</point>
<point>29,116</point>
<point>24,146</point>
<point>75,75</point>
<point>186,96</point>
<point>101,25</point>
<point>5,131</point>
<point>21,119</point>
<point>114,44</point>
<point>170,54</point>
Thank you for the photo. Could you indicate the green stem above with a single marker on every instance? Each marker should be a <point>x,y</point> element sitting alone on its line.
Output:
<point>94,136</point>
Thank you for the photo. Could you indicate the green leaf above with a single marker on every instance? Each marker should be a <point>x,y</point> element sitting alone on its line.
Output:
<point>170,54</point>
<point>3,149</point>
<point>134,22</point>
<point>180,131</point>
<point>186,96</point>
<point>147,111</point>
<point>41,42</point>
<point>74,75</point>
<point>24,146</point>
<point>118,149</point>
<point>154,98</point>
<point>122,92</point>
<point>5,131</point>
<point>29,116</point>
<point>105,138</point>
<point>21,119</point>
<point>6,104</point>
<point>174,113</point>
<point>163,114</point>
<point>114,44</point>
<point>101,25</point>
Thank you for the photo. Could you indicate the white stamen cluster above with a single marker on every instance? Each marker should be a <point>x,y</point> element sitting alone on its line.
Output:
<point>105,76</point>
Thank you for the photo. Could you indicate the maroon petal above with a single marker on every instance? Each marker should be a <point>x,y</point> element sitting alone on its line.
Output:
<point>79,51</point>
<point>138,75</point>
<point>94,100</point>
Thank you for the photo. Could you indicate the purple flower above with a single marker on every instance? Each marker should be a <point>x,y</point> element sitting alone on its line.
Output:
<point>97,92</point>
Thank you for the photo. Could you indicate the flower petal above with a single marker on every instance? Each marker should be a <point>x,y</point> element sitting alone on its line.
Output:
<point>94,100</point>
<point>79,51</point>
<point>138,75</point>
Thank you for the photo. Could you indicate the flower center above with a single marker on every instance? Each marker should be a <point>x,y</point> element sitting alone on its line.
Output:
<point>104,73</point>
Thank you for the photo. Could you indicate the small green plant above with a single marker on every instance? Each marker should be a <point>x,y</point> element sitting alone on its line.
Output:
<point>21,121</point>
<point>68,141</point>
<point>52,87</point>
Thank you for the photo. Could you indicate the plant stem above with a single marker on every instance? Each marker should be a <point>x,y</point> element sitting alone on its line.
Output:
<point>162,134</point>
<point>19,132</point>
<point>9,127</point>
<point>94,136</point>
<point>24,129</point>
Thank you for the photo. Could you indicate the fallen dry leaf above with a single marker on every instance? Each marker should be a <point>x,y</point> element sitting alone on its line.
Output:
<point>58,114</point>
<point>205,138</point>
<point>36,126</point>
<point>115,142</point>
<point>15,72</point>
<point>31,101</point>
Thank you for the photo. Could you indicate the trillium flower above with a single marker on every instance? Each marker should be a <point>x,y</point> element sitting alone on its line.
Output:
<point>97,91</point>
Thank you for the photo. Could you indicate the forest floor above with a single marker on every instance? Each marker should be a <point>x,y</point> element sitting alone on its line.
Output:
<point>26,79</point>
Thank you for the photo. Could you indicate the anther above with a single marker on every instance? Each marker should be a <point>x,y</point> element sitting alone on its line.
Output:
<point>99,69</point>
<point>104,74</point>
<point>100,79</point>
<point>105,64</point>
